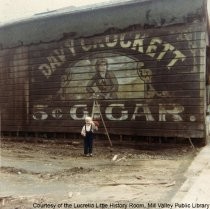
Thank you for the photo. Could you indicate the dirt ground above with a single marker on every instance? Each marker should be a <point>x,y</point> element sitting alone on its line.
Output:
<point>54,175</point>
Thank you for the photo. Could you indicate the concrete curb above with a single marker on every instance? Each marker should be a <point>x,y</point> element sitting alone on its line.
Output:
<point>196,189</point>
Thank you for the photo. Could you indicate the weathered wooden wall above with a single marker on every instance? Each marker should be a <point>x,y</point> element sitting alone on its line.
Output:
<point>155,83</point>
<point>14,89</point>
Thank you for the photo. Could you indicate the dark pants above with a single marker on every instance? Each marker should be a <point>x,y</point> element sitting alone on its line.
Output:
<point>88,143</point>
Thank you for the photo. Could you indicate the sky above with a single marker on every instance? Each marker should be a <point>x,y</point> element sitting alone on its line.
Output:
<point>15,9</point>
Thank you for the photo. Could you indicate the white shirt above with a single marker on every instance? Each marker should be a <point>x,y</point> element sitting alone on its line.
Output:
<point>88,127</point>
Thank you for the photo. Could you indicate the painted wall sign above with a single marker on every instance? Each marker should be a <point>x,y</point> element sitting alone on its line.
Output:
<point>126,72</point>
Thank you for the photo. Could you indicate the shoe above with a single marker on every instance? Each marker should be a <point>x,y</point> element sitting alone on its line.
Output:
<point>91,155</point>
<point>86,155</point>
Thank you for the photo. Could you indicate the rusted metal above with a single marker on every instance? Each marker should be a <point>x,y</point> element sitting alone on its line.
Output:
<point>148,69</point>
<point>128,15</point>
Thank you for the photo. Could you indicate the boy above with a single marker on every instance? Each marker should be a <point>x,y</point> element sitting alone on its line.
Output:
<point>87,132</point>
